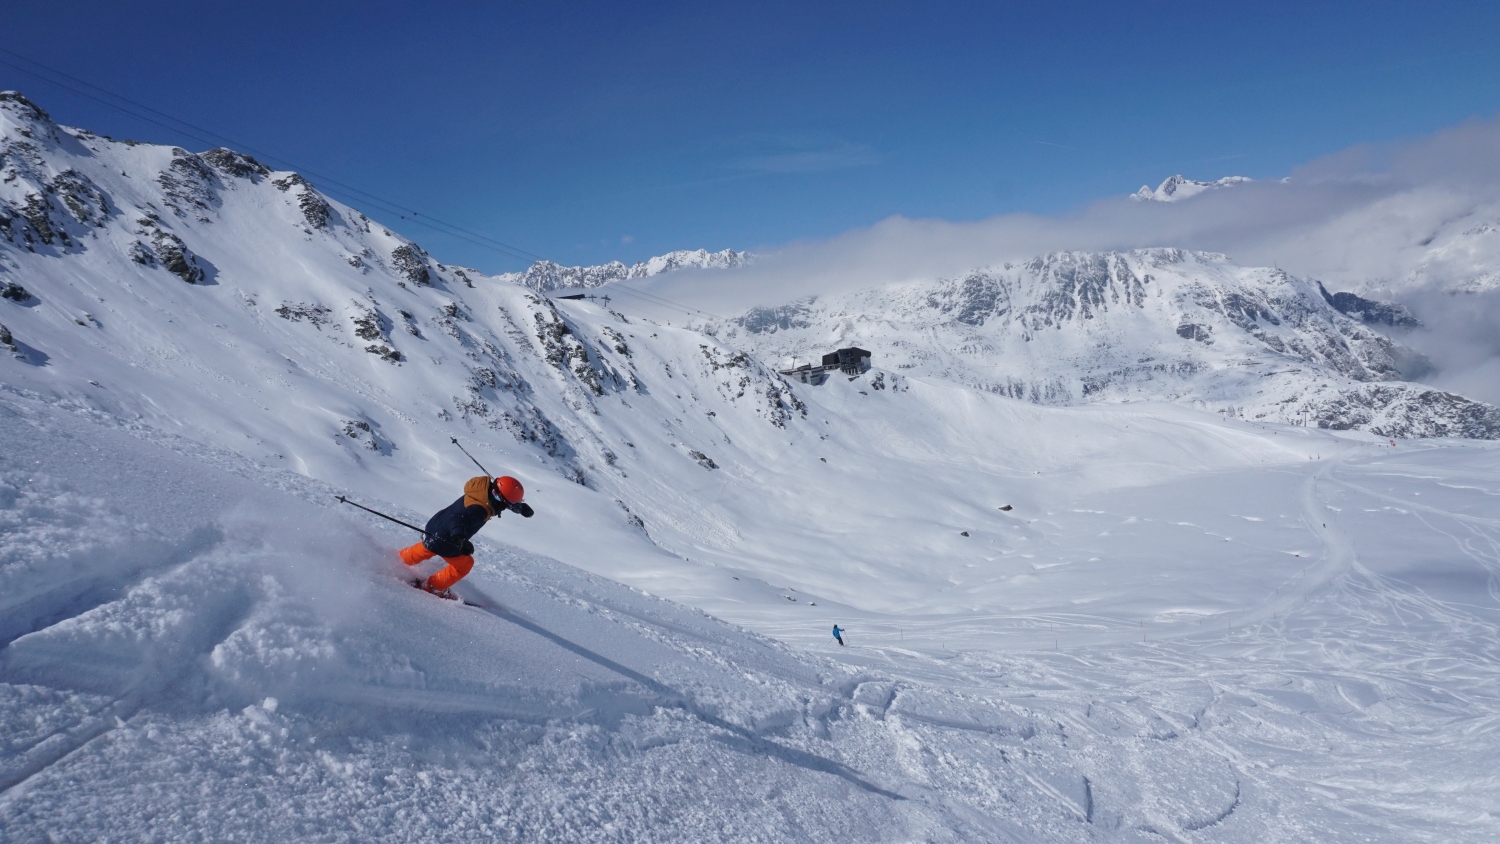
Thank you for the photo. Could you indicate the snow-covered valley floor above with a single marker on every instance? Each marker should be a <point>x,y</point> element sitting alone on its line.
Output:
<point>1292,649</point>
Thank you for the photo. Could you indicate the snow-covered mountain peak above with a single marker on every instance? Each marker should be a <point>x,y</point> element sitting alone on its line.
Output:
<point>544,276</point>
<point>1062,328</point>
<point>135,274</point>
<point>724,259</point>
<point>1177,188</point>
<point>18,108</point>
<point>235,164</point>
<point>1149,324</point>
<point>26,129</point>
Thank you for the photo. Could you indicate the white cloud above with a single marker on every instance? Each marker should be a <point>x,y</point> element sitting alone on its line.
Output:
<point>1461,336</point>
<point>1375,219</point>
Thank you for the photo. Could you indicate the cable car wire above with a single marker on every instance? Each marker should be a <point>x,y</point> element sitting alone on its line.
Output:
<point>352,194</point>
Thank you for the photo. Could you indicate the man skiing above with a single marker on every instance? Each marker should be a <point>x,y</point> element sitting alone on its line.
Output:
<point>838,634</point>
<point>449,530</point>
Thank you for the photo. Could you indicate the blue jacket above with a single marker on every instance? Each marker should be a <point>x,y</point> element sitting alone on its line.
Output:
<point>836,631</point>
<point>449,530</point>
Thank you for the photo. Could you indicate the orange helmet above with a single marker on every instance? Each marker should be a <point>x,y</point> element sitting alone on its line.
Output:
<point>509,489</point>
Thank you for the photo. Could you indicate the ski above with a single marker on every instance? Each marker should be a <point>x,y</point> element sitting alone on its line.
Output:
<point>446,595</point>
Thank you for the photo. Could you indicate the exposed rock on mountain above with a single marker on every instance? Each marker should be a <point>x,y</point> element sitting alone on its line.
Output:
<point>1404,410</point>
<point>1156,324</point>
<point>131,222</point>
<point>1369,311</point>
<point>189,185</point>
<point>410,261</point>
<point>725,259</point>
<point>235,164</point>
<point>114,228</point>
<point>315,209</point>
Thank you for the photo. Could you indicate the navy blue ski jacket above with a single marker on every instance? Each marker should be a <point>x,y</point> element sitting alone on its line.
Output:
<point>451,528</point>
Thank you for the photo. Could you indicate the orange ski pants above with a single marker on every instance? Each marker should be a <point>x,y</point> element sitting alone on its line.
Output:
<point>456,570</point>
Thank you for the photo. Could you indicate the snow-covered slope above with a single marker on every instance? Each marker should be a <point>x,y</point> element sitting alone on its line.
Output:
<point>1157,324</point>
<point>207,292</point>
<point>1176,188</point>
<point>190,654</point>
<point>1147,647</point>
<point>543,276</point>
<point>198,645</point>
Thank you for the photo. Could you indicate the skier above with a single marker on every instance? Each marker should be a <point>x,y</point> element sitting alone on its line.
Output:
<point>838,634</point>
<point>449,530</point>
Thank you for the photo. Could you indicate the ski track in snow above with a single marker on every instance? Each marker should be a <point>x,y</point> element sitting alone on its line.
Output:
<point>255,678</point>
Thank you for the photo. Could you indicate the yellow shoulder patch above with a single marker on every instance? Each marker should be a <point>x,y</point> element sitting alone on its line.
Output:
<point>476,491</point>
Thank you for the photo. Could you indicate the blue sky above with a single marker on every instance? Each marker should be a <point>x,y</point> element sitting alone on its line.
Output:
<point>586,132</point>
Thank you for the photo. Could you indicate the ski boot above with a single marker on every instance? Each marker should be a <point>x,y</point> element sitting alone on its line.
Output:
<point>446,594</point>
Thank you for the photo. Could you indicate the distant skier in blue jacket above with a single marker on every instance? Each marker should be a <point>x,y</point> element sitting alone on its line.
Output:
<point>838,634</point>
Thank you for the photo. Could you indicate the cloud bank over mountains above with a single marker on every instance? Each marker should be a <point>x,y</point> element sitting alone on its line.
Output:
<point>1382,219</point>
<point>1414,221</point>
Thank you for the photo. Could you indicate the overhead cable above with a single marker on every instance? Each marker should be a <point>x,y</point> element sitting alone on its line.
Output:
<point>354,195</point>
<point>209,136</point>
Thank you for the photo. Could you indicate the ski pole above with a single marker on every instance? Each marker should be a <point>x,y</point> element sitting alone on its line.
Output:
<point>382,515</point>
<point>471,457</point>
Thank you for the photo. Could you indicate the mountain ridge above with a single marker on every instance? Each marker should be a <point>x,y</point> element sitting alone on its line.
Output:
<point>1194,328</point>
<point>546,276</point>
<point>1176,188</point>
<point>202,219</point>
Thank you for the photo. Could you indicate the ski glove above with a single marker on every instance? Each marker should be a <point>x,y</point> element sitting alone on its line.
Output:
<point>524,509</point>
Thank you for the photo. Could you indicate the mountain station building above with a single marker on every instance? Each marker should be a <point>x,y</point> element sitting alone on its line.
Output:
<point>851,361</point>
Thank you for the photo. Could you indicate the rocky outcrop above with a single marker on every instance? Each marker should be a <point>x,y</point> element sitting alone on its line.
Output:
<point>313,313</point>
<point>1404,411</point>
<point>411,262</point>
<point>16,103</point>
<point>188,185</point>
<point>55,210</point>
<point>315,209</point>
<point>14,292</point>
<point>1153,325</point>
<point>235,164</point>
<point>167,249</point>
<point>373,326</point>
<point>1369,311</point>
<point>779,318</point>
